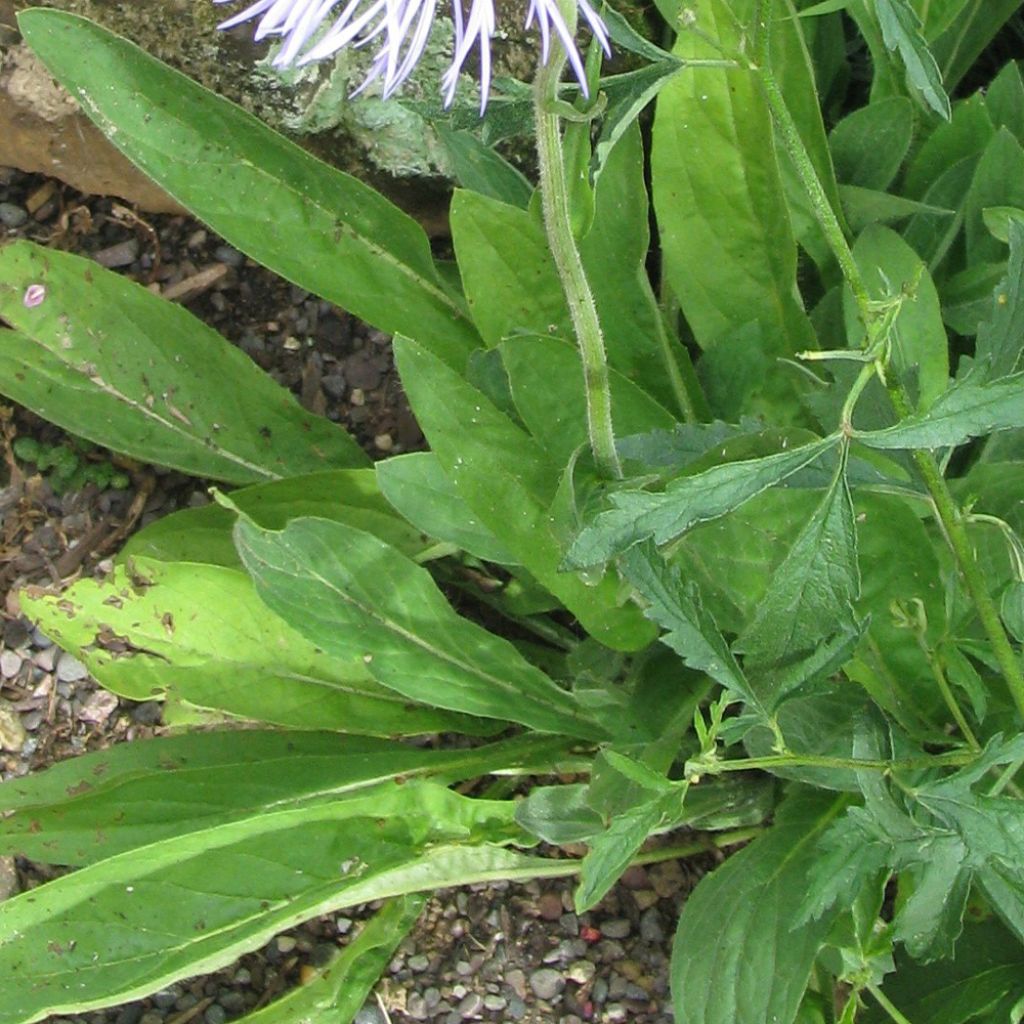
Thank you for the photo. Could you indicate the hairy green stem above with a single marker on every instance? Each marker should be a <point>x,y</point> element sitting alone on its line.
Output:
<point>948,513</point>
<point>558,225</point>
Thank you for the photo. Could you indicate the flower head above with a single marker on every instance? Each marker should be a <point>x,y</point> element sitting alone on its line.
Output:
<point>398,31</point>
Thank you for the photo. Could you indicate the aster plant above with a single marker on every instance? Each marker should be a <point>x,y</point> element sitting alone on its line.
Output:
<point>754,601</point>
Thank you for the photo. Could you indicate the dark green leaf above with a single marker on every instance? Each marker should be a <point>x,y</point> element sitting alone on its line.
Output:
<point>864,206</point>
<point>966,410</point>
<point>480,169</point>
<point>360,599</point>
<point>741,953</point>
<point>559,814</point>
<point>998,181</point>
<point>636,515</point>
<point>1000,347</point>
<point>817,583</point>
<point>963,137</point>
<point>109,361</point>
<point>868,145</point>
<point>959,45</point>
<point>1004,100</point>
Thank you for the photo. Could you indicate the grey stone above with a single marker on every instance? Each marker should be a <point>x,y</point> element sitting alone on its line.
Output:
<point>215,1014</point>
<point>470,1005</point>
<point>419,962</point>
<point>370,1014</point>
<point>546,983</point>
<point>494,1002</point>
<point>416,1006</point>
<point>166,998</point>
<point>148,713</point>
<point>651,929</point>
<point>129,1014</point>
<point>616,928</point>
<point>226,254</point>
<point>12,216</point>
<point>10,664</point>
<point>70,669</point>
<point>516,1008</point>
<point>232,1001</point>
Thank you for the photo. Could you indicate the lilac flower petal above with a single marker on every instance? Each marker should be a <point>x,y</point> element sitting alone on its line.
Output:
<point>34,295</point>
<point>400,30</point>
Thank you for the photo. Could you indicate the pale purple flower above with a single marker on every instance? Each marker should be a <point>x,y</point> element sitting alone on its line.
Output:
<point>34,295</point>
<point>398,31</point>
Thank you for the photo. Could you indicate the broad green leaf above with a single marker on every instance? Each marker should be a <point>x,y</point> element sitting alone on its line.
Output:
<point>691,630</point>
<point>728,247</point>
<point>814,589</point>
<point>966,410</point>
<point>508,481</point>
<point>90,939</point>
<point>998,181</point>
<point>481,169</point>
<point>204,534</point>
<point>509,276</point>
<point>546,377</point>
<point>199,633</point>
<point>636,515</point>
<point>967,297</point>
<point>98,805</point>
<point>1004,100</point>
<point>559,814</point>
<point>987,972</point>
<point>360,599</point>
<point>920,349</point>
<point>1000,347</point>
<point>901,30</point>
<point>418,488</point>
<point>998,219</point>
<point>323,230</point>
<point>738,956</point>
<point>963,137</point>
<point>869,145</point>
<point>338,989</point>
<point>109,361</point>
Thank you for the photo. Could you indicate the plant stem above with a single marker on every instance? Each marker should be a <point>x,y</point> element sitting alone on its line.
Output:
<point>558,225</point>
<point>883,1000</point>
<point>955,758</point>
<point>947,512</point>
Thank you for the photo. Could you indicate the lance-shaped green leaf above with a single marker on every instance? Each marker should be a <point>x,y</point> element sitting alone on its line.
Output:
<point>480,168</point>
<point>901,30</point>
<point>198,633</point>
<point>739,955</point>
<point>358,598</point>
<point>98,805</point>
<point>687,501</point>
<point>92,938</point>
<point>323,230</point>
<point>967,410</point>
<point>509,482</point>
<point>869,144</point>
<point>204,534</point>
<point>728,245</point>
<point>338,990</point>
<point>812,592</point>
<point>109,361</point>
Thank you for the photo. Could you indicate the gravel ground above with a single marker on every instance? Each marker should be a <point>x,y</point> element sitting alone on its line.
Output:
<point>500,952</point>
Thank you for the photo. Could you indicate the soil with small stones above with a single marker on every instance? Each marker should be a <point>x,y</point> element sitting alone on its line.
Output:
<point>501,952</point>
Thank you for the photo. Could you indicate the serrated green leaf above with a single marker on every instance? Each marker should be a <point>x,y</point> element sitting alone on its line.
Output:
<point>109,361</point>
<point>637,515</point>
<point>360,599</point>
<point>901,30</point>
<point>966,410</point>
<point>90,939</point>
<point>817,583</point>
<point>199,633</point>
<point>738,956</point>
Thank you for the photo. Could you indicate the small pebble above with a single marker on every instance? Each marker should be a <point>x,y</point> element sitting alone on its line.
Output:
<point>285,943</point>
<point>581,971</point>
<point>166,998</point>
<point>226,254</point>
<point>46,658</point>
<point>233,1002</point>
<point>516,1008</point>
<point>549,906</point>
<point>616,928</point>
<point>370,1014</point>
<point>416,1006</point>
<point>419,962</point>
<point>243,976</point>
<point>215,1014</point>
<point>148,713</point>
<point>129,1014</point>
<point>495,1002</point>
<point>651,929</point>
<point>546,983</point>
<point>615,1012</point>
<point>12,216</point>
<point>10,664</point>
<point>343,925</point>
<point>70,669</point>
<point>470,1005</point>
